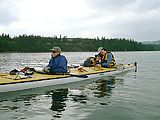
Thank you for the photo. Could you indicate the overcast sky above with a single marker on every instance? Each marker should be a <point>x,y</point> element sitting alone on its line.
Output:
<point>133,19</point>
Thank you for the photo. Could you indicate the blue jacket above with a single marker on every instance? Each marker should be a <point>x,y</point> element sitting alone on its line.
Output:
<point>58,64</point>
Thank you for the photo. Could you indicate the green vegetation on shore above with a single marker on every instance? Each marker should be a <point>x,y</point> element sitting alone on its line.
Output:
<point>33,43</point>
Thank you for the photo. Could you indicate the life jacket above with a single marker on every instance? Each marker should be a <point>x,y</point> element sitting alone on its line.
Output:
<point>105,58</point>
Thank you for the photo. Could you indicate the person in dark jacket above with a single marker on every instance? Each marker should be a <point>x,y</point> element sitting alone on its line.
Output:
<point>57,63</point>
<point>92,61</point>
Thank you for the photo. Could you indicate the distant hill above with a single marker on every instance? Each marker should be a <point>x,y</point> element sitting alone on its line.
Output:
<point>152,42</point>
<point>34,43</point>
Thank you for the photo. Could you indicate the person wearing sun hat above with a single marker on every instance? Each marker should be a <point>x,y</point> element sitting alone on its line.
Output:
<point>57,63</point>
<point>107,59</point>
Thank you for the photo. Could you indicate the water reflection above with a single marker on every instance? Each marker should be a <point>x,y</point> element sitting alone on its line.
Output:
<point>62,99</point>
<point>104,87</point>
<point>78,96</point>
<point>59,98</point>
<point>61,102</point>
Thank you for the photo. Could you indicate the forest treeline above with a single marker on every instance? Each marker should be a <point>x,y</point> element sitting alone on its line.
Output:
<point>34,43</point>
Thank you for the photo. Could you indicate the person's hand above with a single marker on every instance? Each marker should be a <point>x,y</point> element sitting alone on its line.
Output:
<point>46,69</point>
<point>98,65</point>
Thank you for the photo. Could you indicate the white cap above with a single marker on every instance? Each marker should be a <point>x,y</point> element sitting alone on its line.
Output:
<point>100,48</point>
<point>57,49</point>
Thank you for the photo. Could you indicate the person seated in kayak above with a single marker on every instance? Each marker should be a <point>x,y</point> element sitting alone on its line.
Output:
<point>107,59</point>
<point>57,63</point>
<point>92,61</point>
<point>89,62</point>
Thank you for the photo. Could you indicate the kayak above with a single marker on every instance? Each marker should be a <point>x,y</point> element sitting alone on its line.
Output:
<point>9,83</point>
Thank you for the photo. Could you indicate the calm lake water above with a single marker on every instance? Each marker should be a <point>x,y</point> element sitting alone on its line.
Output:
<point>129,96</point>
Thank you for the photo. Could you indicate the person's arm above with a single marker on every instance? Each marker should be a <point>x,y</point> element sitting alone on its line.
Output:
<point>50,63</point>
<point>106,64</point>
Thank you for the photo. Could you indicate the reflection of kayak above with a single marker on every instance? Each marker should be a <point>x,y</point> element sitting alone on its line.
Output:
<point>9,83</point>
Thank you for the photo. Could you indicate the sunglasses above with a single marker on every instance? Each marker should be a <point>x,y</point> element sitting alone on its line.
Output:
<point>53,51</point>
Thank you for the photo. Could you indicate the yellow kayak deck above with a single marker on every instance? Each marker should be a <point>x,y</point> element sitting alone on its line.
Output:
<point>90,70</point>
<point>6,78</point>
